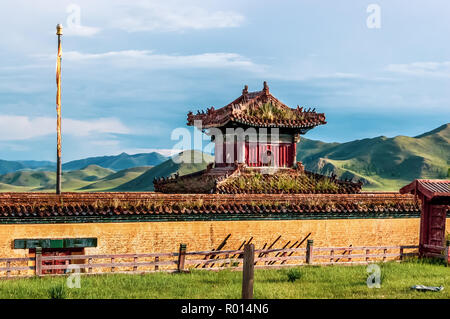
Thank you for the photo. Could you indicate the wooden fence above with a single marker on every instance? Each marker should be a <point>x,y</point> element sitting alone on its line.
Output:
<point>184,260</point>
<point>440,252</point>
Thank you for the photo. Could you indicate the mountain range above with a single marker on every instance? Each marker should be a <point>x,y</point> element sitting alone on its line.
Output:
<point>118,162</point>
<point>382,163</point>
<point>96,178</point>
<point>115,162</point>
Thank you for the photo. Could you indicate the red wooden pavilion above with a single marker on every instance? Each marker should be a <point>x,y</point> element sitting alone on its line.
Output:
<point>255,147</point>
<point>435,197</point>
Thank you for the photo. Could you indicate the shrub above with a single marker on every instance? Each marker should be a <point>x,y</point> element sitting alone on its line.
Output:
<point>293,275</point>
<point>57,292</point>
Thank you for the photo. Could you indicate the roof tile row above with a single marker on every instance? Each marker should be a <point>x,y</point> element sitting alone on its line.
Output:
<point>298,208</point>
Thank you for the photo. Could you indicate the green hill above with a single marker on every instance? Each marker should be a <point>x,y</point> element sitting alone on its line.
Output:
<point>12,188</point>
<point>381,162</point>
<point>74,180</point>
<point>114,180</point>
<point>46,181</point>
<point>118,162</point>
<point>89,173</point>
<point>30,179</point>
<point>182,163</point>
<point>14,166</point>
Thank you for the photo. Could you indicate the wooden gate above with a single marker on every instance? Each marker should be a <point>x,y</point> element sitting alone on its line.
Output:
<point>436,226</point>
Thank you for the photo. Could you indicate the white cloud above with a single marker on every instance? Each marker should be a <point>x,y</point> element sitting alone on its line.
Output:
<point>148,59</point>
<point>14,127</point>
<point>439,69</point>
<point>173,15</point>
<point>338,75</point>
<point>81,31</point>
<point>87,127</point>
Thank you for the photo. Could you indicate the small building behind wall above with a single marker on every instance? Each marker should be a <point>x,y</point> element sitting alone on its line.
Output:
<point>435,197</point>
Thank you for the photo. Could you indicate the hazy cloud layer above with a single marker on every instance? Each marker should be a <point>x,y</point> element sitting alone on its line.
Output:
<point>439,69</point>
<point>148,59</point>
<point>23,127</point>
<point>172,15</point>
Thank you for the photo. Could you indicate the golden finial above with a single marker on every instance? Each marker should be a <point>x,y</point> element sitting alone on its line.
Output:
<point>59,29</point>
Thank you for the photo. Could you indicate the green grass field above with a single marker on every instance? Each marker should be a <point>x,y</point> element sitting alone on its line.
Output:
<point>313,282</point>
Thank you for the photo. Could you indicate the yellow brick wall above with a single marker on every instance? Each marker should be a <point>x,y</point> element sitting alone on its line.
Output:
<point>140,237</point>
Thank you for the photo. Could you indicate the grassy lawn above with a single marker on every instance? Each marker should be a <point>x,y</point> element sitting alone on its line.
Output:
<point>313,282</point>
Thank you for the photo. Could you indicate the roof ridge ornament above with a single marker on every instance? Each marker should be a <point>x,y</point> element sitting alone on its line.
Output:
<point>245,90</point>
<point>266,88</point>
<point>245,93</point>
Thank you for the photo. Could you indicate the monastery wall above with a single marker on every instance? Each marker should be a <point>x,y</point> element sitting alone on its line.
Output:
<point>143,237</point>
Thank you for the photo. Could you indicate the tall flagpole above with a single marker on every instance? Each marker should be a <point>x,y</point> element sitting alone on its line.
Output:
<point>58,110</point>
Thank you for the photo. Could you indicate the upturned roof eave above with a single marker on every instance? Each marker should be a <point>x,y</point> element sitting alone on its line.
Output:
<point>252,124</point>
<point>419,186</point>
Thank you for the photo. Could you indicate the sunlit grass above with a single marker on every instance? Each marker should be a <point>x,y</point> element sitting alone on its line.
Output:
<point>311,282</point>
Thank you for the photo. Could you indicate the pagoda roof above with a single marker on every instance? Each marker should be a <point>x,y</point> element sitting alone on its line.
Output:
<point>251,109</point>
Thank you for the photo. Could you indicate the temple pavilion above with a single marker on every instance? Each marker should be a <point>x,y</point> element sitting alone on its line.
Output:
<point>255,148</point>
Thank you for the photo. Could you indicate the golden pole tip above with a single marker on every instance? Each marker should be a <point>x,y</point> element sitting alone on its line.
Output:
<point>59,29</point>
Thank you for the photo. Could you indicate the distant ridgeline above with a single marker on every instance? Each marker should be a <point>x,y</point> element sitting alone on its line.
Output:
<point>381,163</point>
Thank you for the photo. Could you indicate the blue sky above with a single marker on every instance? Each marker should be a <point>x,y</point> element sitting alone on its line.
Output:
<point>131,70</point>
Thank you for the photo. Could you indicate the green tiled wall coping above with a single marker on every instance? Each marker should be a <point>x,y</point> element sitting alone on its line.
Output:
<point>203,217</point>
<point>54,243</point>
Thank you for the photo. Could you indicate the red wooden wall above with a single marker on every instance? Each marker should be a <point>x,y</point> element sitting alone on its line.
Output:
<point>258,154</point>
<point>280,155</point>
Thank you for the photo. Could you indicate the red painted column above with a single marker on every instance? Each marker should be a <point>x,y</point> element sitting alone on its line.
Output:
<point>294,156</point>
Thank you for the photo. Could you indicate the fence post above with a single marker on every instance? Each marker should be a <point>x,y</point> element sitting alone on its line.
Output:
<point>309,251</point>
<point>38,261</point>
<point>248,271</point>
<point>401,253</point>
<point>90,263</point>
<point>181,257</point>
<point>8,266</point>
<point>156,263</point>
<point>367,255</point>
<point>350,253</point>
<point>447,252</point>
<point>135,259</point>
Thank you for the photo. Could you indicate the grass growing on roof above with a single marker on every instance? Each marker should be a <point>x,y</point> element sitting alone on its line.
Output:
<point>268,111</point>
<point>258,182</point>
<point>310,282</point>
